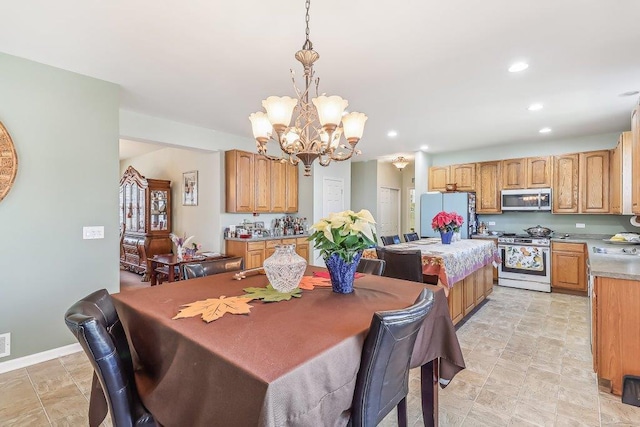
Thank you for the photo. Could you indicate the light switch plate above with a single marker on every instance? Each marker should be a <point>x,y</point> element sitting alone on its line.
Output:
<point>492,223</point>
<point>579,225</point>
<point>93,232</point>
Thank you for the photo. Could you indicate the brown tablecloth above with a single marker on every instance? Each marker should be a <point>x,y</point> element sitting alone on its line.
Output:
<point>287,363</point>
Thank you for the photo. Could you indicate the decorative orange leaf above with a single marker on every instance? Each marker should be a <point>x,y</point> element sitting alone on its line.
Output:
<point>309,282</point>
<point>214,308</point>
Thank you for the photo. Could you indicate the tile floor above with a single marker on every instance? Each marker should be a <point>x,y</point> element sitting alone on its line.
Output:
<point>528,364</point>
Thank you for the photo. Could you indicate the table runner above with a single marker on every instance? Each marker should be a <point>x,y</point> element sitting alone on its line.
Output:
<point>286,363</point>
<point>451,263</point>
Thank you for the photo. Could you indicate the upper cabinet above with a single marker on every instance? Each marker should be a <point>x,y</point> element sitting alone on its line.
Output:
<point>635,156</point>
<point>464,176</point>
<point>438,178</point>
<point>581,182</point>
<point>254,183</point>
<point>539,172</point>
<point>514,173</point>
<point>529,172</point>
<point>565,183</point>
<point>488,187</point>
<point>594,182</point>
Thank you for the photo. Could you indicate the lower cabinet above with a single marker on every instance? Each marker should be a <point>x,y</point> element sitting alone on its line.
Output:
<point>568,267</point>
<point>255,252</point>
<point>469,292</point>
<point>615,330</point>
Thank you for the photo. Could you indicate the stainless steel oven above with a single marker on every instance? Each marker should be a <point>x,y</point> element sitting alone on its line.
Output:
<point>526,263</point>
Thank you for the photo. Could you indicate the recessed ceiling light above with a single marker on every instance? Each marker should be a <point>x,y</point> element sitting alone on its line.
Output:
<point>392,134</point>
<point>629,93</point>
<point>545,130</point>
<point>424,147</point>
<point>345,112</point>
<point>518,66</point>
<point>535,107</point>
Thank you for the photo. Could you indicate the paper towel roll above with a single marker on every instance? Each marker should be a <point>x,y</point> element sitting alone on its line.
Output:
<point>634,221</point>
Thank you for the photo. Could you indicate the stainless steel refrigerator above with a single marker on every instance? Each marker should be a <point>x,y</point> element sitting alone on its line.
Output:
<point>462,203</point>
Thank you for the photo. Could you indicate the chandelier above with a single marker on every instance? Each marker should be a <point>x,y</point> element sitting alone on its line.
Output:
<point>318,125</point>
<point>400,162</point>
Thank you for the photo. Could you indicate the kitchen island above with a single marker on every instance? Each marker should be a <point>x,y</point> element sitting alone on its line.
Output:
<point>464,269</point>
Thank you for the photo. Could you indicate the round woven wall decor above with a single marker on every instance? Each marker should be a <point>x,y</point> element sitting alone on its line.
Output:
<point>8,162</point>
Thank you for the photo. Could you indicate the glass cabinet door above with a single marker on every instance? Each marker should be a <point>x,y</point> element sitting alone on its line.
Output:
<point>158,210</point>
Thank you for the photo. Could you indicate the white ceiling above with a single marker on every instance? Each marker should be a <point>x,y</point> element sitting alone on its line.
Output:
<point>435,71</point>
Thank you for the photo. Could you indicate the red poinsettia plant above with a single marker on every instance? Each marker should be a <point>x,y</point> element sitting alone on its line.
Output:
<point>447,221</point>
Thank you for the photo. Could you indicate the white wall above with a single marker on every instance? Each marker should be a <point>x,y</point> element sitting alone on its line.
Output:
<point>65,130</point>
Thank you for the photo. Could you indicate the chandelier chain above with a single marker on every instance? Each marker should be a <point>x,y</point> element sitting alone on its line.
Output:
<point>307,44</point>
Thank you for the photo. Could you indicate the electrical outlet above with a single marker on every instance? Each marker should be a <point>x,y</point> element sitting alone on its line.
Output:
<point>580,225</point>
<point>94,232</point>
<point>5,344</point>
<point>492,223</point>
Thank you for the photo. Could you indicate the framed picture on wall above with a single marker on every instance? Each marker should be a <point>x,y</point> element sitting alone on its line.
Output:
<point>190,188</point>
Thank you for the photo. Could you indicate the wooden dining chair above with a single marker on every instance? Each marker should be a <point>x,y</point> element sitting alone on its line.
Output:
<point>390,240</point>
<point>371,266</point>
<point>383,379</point>
<point>96,325</point>
<point>411,237</point>
<point>402,264</point>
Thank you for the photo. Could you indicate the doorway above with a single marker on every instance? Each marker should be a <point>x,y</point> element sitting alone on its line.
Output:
<point>388,211</point>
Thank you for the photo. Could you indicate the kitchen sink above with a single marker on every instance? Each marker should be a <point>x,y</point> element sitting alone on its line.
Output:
<point>617,251</point>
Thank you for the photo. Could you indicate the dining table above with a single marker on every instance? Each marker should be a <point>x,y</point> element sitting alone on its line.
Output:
<point>287,363</point>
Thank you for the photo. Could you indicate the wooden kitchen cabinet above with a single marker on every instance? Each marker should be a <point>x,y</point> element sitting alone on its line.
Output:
<point>488,187</point>
<point>538,172</point>
<point>255,252</point>
<point>514,173</point>
<point>464,176</point>
<point>620,177</point>
<point>438,178</point>
<point>254,183</point>
<point>568,267</point>
<point>616,329</point>
<point>468,293</point>
<point>565,183</point>
<point>239,181</point>
<point>262,184</point>
<point>635,158</point>
<point>594,182</point>
<point>291,201</point>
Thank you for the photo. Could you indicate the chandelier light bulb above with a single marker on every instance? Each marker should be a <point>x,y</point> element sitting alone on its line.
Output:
<point>279,109</point>
<point>330,109</point>
<point>260,125</point>
<point>353,125</point>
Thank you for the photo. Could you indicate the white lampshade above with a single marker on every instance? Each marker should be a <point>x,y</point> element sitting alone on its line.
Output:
<point>353,125</point>
<point>260,125</point>
<point>279,109</point>
<point>330,109</point>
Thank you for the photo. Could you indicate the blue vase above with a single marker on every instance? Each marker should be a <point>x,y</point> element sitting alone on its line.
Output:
<point>342,273</point>
<point>446,236</point>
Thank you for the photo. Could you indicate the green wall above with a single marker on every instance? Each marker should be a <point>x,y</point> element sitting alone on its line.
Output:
<point>65,130</point>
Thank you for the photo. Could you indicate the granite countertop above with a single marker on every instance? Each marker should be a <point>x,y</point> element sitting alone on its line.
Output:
<point>260,239</point>
<point>614,264</point>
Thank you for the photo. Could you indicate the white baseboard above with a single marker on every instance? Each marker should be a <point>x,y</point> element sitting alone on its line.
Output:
<point>32,359</point>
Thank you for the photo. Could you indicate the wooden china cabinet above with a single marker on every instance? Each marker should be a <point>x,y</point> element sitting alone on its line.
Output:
<point>145,220</point>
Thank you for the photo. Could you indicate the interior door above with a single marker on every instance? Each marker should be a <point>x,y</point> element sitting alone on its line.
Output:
<point>388,211</point>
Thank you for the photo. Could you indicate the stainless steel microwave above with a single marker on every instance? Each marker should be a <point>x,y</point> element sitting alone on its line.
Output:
<point>534,199</point>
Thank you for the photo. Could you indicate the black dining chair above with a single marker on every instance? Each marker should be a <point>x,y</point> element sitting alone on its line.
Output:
<point>214,266</point>
<point>402,264</point>
<point>96,325</point>
<point>411,237</point>
<point>371,266</point>
<point>390,240</point>
<point>383,379</point>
